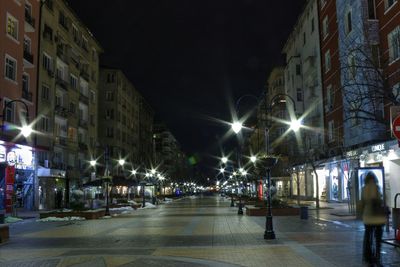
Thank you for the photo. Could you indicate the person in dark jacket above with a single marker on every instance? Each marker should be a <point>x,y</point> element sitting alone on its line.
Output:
<point>373,216</point>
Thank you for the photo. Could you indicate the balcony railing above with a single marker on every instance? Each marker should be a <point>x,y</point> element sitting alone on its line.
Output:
<point>83,123</point>
<point>62,141</point>
<point>28,56</point>
<point>85,75</point>
<point>61,111</point>
<point>83,98</point>
<point>27,95</point>
<point>29,19</point>
<point>63,83</point>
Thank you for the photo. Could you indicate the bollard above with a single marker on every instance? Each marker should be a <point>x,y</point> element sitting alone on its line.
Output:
<point>304,213</point>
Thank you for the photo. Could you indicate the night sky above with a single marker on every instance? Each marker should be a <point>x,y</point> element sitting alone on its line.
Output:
<point>191,60</point>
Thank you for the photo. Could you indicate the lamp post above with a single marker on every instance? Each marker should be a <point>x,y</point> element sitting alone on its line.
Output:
<point>270,161</point>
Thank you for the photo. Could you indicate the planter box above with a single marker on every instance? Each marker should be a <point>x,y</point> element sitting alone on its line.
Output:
<point>88,215</point>
<point>4,233</point>
<point>255,211</point>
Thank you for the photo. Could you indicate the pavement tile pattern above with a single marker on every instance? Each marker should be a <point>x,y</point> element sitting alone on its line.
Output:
<point>194,231</point>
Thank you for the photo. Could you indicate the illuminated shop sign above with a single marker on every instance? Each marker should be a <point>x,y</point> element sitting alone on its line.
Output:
<point>378,147</point>
<point>19,156</point>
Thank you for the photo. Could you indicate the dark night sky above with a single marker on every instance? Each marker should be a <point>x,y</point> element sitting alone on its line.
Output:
<point>187,58</point>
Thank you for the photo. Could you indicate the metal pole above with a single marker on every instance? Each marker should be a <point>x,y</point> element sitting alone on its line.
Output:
<point>269,229</point>
<point>107,203</point>
<point>144,197</point>
<point>107,177</point>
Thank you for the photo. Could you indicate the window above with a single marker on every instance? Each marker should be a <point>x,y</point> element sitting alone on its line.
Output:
<point>389,3</point>
<point>27,44</point>
<point>110,78</point>
<point>396,92</point>
<point>298,69</point>
<point>109,132</point>
<point>323,3</point>
<point>45,92</point>
<point>352,68</point>
<point>45,124</point>
<point>47,32</point>
<point>327,61</point>
<point>375,55</point>
<point>331,135</point>
<point>75,34</point>
<point>312,25</point>
<point>371,9</point>
<point>9,110</point>
<point>110,114</point>
<point>12,26</point>
<point>330,96</point>
<point>10,68</point>
<point>47,62</point>
<point>394,44</point>
<point>62,20</point>
<point>109,96</point>
<point>325,28</point>
<point>73,80</point>
<point>94,55</point>
<point>25,82</point>
<point>72,107</point>
<point>348,22</point>
<point>299,94</point>
<point>85,43</point>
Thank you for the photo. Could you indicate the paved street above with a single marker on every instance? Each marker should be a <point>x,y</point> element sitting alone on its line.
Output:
<point>194,231</point>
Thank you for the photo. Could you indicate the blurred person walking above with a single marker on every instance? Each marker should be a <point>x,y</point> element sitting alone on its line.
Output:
<point>373,216</point>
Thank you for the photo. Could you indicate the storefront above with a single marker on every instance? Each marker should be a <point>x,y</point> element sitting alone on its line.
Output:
<point>52,183</point>
<point>17,177</point>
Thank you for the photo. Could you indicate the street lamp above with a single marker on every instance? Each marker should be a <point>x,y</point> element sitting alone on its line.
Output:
<point>237,126</point>
<point>224,160</point>
<point>253,159</point>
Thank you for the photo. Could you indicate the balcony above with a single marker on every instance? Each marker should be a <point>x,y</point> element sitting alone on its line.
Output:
<point>28,56</point>
<point>61,54</point>
<point>61,111</point>
<point>83,98</point>
<point>50,73</point>
<point>85,75</point>
<point>61,82</point>
<point>61,141</point>
<point>27,95</point>
<point>83,123</point>
<point>83,146</point>
<point>29,22</point>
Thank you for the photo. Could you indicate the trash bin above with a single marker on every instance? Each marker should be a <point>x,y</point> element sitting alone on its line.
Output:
<point>304,213</point>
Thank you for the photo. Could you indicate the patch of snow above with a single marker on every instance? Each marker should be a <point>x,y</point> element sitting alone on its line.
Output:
<point>106,217</point>
<point>58,219</point>
<point>11,219</point>
<point>168,199</point>
<point>132,202</point>
<point>126,208</point>
<point>149,206</point>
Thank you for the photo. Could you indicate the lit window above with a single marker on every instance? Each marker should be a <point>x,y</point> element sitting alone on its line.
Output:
<point>325,28</point>
<point>327,61</point>
<point>12,26</point>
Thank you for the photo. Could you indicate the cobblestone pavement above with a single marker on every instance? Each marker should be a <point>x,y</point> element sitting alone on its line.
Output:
<point>194,231</point>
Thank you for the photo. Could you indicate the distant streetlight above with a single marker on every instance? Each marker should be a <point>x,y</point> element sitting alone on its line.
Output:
<point>222,170</point>
<point>93,163</point>
<point>253,159</point>
<point>224,160</point>
<point>26,130</point>
<point>121,162</point>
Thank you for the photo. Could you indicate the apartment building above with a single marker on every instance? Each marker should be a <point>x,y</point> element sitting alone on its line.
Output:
<point>167,152</point>
<point>146,121</point>
<point>18,68</point>
<point>67,102</point>
<point>118,120</point>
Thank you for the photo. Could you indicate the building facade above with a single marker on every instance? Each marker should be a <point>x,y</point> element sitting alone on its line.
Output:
<point>67,103</point>
<point>18,90</point>
<point>118,120</point>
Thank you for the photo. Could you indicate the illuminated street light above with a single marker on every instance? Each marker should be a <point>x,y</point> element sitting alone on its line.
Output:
<point>93,162</point>
<point>253,159</point>
<point>121,162</point>
<point>26,130</point>
<point>295,125</point>
<point>134,172</point>
<point>153,171</point>
<point>237,126</point>
<point>222,170</point>
<point>224,160</point>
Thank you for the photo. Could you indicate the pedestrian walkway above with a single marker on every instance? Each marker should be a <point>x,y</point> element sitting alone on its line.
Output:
<point>195,231</point>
